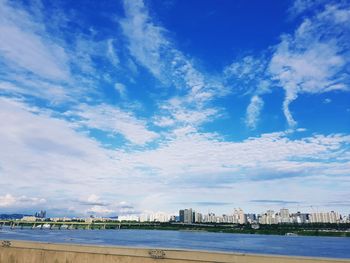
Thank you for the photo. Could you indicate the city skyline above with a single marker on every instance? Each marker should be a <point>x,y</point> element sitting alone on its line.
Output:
<point>191,216</point>
<point>117,107</point>
<point>182,214</point>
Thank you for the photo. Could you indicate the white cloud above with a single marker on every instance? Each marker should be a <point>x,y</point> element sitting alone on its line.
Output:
<point>180,111</point>
<point>253,111</point>
<point>9,200</point>
<point>115,121</point>
<point>24,45</point>
<point>93,198</point>
<point>190,155</point>
<point>67,166</point>
<point>112,55</point>
<point>300,6</point>
<point>121,89</point>
<point>151,48</point>
<point>145,39</point>
<point>52,92</point>
<point>327,101</point>
<point>248,76</point>
<point>313,59</point>
<point>149,45</point>
<point>117,208</point>
<point>99,210</point>
<point>73,170</point>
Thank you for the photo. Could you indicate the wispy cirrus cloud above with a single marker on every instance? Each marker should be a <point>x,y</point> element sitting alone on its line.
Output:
<point>253,111</point>
<point>279,202</point>
<point>113,120</point>
<point>25,45</point>
<point>312,60</point>
<point>150,46</point>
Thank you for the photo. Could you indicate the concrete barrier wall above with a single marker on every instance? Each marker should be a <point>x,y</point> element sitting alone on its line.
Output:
<point>32,252</point>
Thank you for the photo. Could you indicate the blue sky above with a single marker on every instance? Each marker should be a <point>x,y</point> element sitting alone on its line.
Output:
<point>119,107</point>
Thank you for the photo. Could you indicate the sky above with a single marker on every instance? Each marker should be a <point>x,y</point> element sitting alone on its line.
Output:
<point>125,107</point>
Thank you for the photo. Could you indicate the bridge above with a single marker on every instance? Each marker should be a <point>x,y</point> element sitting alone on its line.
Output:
<point>21,224</point>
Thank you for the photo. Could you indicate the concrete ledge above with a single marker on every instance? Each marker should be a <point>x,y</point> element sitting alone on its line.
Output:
<point>34,252</point>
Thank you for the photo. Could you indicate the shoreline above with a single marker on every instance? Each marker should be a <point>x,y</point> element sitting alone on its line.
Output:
<point>47,252</point>
<point>206,230</point>
<point>331,230</point>
<point>304,233</point>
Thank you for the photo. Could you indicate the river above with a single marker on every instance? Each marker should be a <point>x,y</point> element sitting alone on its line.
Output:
<point>334,247</point>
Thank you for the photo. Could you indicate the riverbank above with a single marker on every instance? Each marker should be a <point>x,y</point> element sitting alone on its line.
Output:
<point>300,230</point>
<point>34,252</point>
<point>310,229</point>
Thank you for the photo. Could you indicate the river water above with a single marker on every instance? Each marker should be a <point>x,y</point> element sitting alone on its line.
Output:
<point>334,247</point>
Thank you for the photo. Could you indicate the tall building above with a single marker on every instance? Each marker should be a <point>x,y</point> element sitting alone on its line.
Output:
<point>144,218</point>
<point>300,218</point>
<point>239,217</point>
<point>251,218</point>
<point>182,216</point>
<point>198,217</point>
<point>41,214</point>
<point>284,216</point>
<point>188,216</point>
<point>242,218</point>
<point>268,218</point>
<point>329,217</point>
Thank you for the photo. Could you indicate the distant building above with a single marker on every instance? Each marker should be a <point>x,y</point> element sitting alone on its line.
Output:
<point>41,214</point>
<point>269,218</point>
<point>89,220</point>
<point>128,218</point>
<point>251,218</point>
<point>29,218</point>
<point>144,218</point>
<point>328,217</point>
<point>284,216</point>
<point>299,218</point>
<point>227,219</point>
<point>198,217</point>
<point>209,218</point>
<point>239,217</point>
<point>188,216</point>
<point>182,216</point>
<point>159,217</point>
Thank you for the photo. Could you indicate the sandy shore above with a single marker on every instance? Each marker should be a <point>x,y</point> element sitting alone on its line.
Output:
<point>34,252</point>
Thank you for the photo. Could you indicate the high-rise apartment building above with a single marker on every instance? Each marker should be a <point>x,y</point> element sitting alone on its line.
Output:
<point>284,216</point>
<point>328,217</point>
<point>239,217</point>
<point>181,215</point>
<point>198,217</point>
<point>186,216</point>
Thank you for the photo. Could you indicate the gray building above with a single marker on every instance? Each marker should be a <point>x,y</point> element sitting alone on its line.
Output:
<point>186,216</point>
<point>181,216</point>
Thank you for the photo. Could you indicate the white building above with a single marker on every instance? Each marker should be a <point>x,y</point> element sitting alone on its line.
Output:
<point>128,218</point>
<point>239,217</point>
<point>328,217</point>
<point>269,218</point>
<point>284,216</point>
